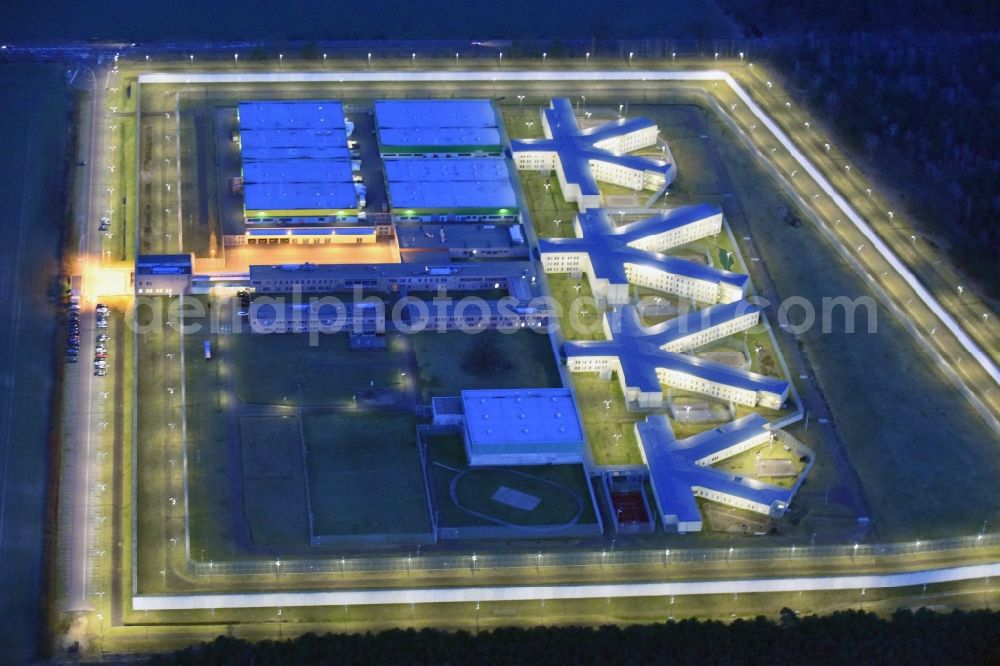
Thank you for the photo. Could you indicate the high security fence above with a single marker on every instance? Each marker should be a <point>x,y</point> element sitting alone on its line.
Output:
<point>540,559</point>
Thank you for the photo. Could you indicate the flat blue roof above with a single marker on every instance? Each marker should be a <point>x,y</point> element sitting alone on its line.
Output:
<point>433,113</point>
<point>291,114</point>
<point>609,249</point>
<point>439,136</point>
<point>163,264</point>
<point>498,416</point>
<point>311,231</point>
<point>674,473</point>
<point>637,348</point>
<point>501,270</point>
<point>460,168</point>
<point>297,171</point>
<point>492,194</point>
<point>299,196</point>
<point>576,148</point>
<point>292,138</point>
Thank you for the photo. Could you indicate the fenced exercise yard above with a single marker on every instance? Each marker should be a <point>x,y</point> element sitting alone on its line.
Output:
<point>506,502</point>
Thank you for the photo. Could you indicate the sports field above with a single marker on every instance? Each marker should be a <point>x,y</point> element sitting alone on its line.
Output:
<point>526,496</point>
<point>364,475</point>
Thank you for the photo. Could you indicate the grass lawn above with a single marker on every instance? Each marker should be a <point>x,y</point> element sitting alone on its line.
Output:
<point>447,362</point>
<point>525,120</point>
<point>364,474</point>
<point>283,369</point>
<point>562,490</point>
<point>122,244</point>
<point>273,480</point>
<point>610,432</point>
<point>579,318</point>
<point>744,464</point>
<point>547,206</point>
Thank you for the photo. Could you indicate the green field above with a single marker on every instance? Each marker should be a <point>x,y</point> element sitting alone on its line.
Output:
<point>453,361</point>
<point>562,490</point>
<point>365,475</point>
<point>285,369</point>
<point>610,430</point>
<point>547,206</point>
<point>273,480</point>
<point>580,317</point>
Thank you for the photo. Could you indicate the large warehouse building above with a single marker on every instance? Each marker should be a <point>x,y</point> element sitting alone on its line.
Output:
<point>437,128</point>
<point>581,158</point>
<point>522,427</point>
<point>680,470</point>
<point>457,189</point>
<point>296,171</point>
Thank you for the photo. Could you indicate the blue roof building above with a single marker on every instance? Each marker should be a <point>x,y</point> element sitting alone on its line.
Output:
<point>581,158</point>
<point>645,359</point>
<point>680,470</point>
<point>614,257</point>
<point>522,427</point>
<point>451,189</point>
<point>296,164</point>
<point>291,114</point>
<point>437,128</point>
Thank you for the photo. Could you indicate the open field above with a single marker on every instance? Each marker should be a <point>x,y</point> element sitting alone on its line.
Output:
<point>283,369</point>
<point>365,475</point>
<point>33,143</point>
<point>274,480</point>
<point>453,361</point>
<point>465,496</point>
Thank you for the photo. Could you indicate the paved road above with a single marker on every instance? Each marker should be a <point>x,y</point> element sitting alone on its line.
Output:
<point>80,424</point>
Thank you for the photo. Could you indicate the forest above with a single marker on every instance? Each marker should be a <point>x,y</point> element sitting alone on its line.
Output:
<point>849,637</point>
<point>913,87</point>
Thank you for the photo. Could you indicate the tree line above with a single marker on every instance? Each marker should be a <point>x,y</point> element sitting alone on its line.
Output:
<point>913,86</point>
<point>849,637</point>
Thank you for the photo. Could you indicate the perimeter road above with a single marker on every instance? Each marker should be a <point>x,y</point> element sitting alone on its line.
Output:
<point>550,592</point>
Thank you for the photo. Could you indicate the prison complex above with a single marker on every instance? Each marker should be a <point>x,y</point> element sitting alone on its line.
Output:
<point>582,157</point>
